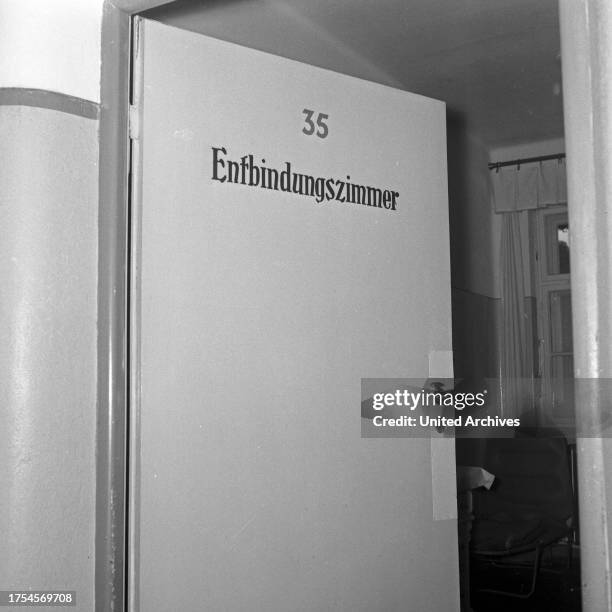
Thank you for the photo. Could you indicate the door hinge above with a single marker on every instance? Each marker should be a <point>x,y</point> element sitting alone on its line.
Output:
<point>134,122</point>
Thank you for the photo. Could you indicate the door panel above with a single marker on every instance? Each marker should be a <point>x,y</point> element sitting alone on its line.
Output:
<point>256,313</point>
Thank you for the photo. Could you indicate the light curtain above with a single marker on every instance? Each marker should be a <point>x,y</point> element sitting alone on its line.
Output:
<point>514,355</point>
<point>534,185</point>
<point>516,189</point>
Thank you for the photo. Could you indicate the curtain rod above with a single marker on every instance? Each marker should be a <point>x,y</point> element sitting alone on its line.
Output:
<point>526,160</point>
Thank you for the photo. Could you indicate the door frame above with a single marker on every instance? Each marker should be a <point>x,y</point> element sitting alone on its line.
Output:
<point>111,577</point>
<point>583,45</point>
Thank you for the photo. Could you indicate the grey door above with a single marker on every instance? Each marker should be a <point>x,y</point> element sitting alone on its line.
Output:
<point>257,310</point>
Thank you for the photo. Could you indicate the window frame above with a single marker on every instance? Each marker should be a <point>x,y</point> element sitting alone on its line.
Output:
<point>546,284</point>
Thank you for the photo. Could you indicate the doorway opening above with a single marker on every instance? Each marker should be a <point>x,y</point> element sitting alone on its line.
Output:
<point>498,69</point>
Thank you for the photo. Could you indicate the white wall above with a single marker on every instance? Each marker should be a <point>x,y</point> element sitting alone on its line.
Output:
<point>48,311</point>
<point>470,213</point>
<point>48,267</point>
<point>527,149</point>
<point>52,45</point>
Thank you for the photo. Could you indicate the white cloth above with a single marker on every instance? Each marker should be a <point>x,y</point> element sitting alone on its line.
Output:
<point>529,186</point>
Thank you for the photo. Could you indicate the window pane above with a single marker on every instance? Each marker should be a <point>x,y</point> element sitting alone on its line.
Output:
<point>563,246</point>
<point>561,321</point>
<point>557,244</point>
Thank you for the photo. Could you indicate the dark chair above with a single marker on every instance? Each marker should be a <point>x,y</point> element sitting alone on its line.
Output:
<point>530,505</point>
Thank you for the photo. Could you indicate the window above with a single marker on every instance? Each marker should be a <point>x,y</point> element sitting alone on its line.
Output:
<point>556,230</point>
<point>556,359</point>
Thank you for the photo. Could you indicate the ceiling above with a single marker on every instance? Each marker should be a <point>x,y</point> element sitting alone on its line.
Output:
<point>496,63</point>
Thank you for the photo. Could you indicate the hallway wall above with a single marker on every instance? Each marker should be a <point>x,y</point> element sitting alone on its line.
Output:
<point>473,259</point>
<point>48,267</point>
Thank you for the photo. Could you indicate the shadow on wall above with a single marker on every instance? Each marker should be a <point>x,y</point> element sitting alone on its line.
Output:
<point>473,258</point>
<point>475,307</point>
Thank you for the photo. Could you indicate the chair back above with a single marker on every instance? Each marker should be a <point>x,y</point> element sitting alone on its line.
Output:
<point>532,479</point>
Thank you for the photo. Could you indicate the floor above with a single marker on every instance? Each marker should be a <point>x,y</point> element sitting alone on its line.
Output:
<point>558,587</point>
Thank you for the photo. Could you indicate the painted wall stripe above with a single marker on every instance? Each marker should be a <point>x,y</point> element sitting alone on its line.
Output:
<point>41,98</point>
